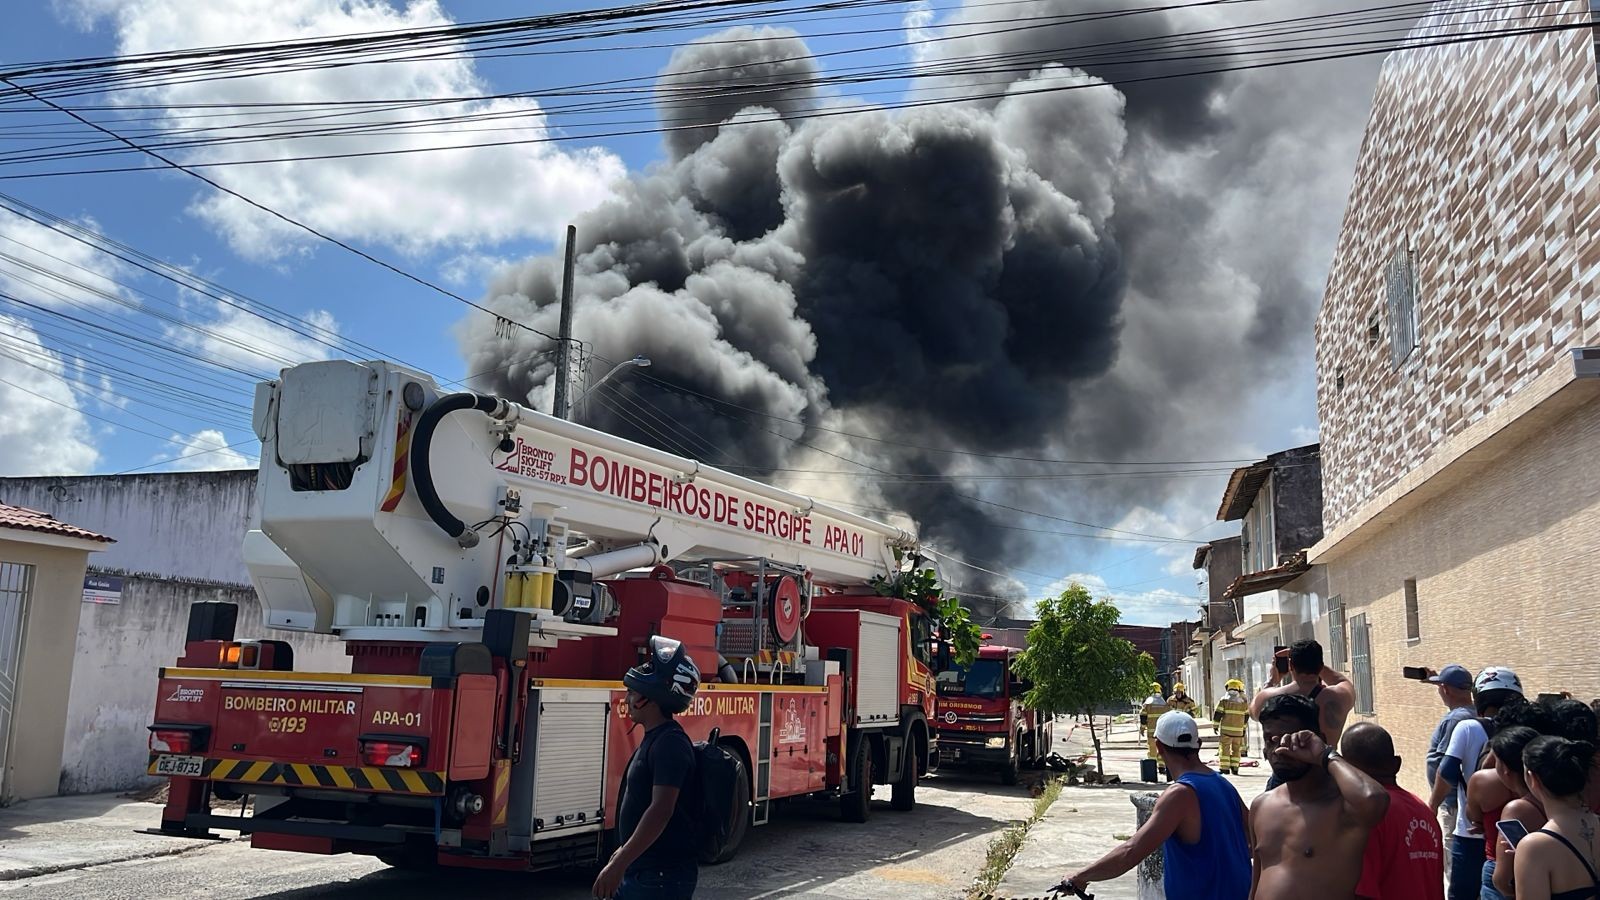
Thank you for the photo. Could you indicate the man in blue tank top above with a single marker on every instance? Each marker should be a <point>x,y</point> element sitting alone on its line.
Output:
<point>1198,824</point>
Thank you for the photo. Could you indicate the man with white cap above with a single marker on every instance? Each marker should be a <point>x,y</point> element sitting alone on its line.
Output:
<point>1198,824</point>
<point>1495,688</point>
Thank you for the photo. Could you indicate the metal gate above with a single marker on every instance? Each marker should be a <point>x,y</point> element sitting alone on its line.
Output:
<point>16,583</point>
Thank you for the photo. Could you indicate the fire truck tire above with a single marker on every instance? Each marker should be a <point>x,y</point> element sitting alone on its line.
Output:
<point>1011,771</point>
<point>856,805</point>
<point>904,796</point>
<point>741,824</point>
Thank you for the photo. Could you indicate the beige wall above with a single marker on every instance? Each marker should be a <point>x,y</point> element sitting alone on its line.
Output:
<point>44,678</point>
<point>1507,565</point>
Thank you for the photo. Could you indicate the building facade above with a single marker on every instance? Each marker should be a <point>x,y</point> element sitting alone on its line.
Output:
<point>1461,488</point>
<point>42,565</point>
<point>179,542</point>
<point>1219,654</point>
<point>1278,505</point>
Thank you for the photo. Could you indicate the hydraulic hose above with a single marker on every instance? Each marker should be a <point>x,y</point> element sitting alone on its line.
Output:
<point>421,468</point>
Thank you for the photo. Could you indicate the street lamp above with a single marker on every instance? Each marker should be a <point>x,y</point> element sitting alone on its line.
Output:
<point>638,361</point>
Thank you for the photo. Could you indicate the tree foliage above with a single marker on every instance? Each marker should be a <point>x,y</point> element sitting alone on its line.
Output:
<point>950,619</point>
<point>1076,662</point>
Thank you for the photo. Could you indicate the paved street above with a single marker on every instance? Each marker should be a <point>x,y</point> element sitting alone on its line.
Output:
<point>933,853</point>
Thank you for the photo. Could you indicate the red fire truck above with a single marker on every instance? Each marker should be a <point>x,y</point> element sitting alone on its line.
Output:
<point>981,720</point>
<point>482,722</point>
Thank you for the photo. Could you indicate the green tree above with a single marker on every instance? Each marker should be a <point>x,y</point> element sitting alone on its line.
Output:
<point>950,619</point>
<point>1077,664</point>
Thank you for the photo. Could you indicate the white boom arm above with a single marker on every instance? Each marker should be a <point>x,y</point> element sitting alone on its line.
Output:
<point>384,505</point>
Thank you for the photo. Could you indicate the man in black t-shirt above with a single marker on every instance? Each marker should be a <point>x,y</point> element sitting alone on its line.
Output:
<point>658,855</point>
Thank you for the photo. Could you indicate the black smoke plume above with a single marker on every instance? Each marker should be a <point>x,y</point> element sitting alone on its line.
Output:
<point>956,278</point>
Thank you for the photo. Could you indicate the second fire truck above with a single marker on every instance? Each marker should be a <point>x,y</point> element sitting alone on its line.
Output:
<point>981,720</point>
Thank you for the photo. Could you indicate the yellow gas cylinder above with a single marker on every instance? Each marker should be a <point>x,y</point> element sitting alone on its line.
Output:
<point>514,589</point>
<point>547,585</point>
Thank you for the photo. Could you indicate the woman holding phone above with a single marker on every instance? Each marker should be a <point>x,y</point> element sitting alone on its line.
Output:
<point>1558,862</point>
<point>1520,815</point>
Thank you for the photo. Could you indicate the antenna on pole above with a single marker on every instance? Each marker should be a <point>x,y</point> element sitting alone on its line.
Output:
<point>562,407</point>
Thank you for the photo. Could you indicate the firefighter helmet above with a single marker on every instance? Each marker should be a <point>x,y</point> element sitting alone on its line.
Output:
<point>1155,686</point>
<point>668,676</point>
<point>1234,684</point>
<point>1178,688</point>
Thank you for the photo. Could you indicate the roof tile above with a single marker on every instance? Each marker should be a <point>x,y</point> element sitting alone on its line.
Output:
<point>26,519</point>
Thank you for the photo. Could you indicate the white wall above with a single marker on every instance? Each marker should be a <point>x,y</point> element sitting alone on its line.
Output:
<point>119,649</point>
<point>186,525</point>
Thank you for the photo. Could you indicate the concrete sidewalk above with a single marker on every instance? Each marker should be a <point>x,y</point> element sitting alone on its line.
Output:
<point>56,834</point>
<point>1089,820</point>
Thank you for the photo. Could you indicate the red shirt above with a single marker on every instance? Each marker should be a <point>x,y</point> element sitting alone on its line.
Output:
<point>1405,853</point>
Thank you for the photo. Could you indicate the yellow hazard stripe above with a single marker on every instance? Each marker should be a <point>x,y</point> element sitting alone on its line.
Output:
<point>381,779</point>
<point>502,791</point>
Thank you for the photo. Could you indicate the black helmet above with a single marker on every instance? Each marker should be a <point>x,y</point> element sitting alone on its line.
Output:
<point>668,676</point>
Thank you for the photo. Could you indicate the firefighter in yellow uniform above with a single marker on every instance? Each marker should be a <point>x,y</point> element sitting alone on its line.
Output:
<point>1181,701</point>
<point>1154,706</point>
<point>1229,719</point>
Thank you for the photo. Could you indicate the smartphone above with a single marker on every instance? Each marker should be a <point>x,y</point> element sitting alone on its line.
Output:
<point>1417,673</point>
<point>1282,662</point>
<point>1513,830</point>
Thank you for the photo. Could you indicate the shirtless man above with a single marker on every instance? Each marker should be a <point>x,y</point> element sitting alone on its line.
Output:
<point>1307,676</point>
<point>1308,839</point>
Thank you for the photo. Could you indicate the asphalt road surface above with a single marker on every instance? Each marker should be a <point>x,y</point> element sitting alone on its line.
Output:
<point>930,853</point>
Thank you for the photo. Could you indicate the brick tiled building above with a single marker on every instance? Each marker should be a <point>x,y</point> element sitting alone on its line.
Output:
<point>1461,479</point>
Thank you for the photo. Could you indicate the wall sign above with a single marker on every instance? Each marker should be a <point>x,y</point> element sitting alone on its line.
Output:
<point>102,589</point>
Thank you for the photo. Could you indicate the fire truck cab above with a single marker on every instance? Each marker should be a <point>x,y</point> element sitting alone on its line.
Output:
<point>982,721</point>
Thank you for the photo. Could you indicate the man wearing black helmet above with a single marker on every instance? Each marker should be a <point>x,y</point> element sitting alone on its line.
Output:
<point>658,856</point>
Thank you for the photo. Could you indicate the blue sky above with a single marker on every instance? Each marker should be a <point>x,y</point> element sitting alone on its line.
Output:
<point>449,220</point>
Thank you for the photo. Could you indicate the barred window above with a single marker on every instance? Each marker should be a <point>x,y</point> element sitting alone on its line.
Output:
<point>1413,614</point>
<point>1401,280</point>
<point>1336,646</point>
<point>1361,662</point>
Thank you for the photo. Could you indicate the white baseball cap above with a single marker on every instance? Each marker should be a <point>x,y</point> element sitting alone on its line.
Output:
<point>1497,678</point>
<point>1178,729</point>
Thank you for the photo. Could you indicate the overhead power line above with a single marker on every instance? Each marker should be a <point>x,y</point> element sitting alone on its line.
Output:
<point>1011,89</point>
<point>285,218</point>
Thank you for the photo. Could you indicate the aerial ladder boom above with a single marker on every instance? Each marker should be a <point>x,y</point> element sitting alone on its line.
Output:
<point>394,510</point>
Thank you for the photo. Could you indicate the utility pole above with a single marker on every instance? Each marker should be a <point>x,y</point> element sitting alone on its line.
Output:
<point>561,409</point>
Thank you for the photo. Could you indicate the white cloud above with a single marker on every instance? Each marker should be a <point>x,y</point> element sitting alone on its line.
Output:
<point>238,338</point>
<point>415,201</point>
<point>42,431</point>
<point>26,247</point>
<point>472,270</point>
<point>204,451</point>
<point>917,21</point>
<point>1161,606</point>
